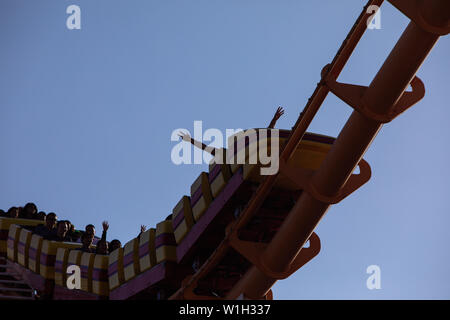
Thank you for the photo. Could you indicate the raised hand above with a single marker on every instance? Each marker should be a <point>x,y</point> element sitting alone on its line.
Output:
<point>105,225</point>
<point>185,136</point>
<point>278,113</point>
<point>276,116</point>
<point>143,228</point>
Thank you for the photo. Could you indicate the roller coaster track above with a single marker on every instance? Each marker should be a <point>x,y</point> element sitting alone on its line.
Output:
<point>12,288</point>
<point>379,103</point>
<point>32,267</point>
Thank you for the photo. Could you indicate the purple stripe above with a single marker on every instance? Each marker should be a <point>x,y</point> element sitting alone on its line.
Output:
<point>58,266</point>
<point>84,271</point>
<point>10,243</point>
<point>32,253</point>
<point>113,268</point>
<point>196,196</point>
<point>178,219</point>
<point>48,260</point>
<point>21,248</point>
<point>165,239</point>
<point>214,173</point>
<point>99,274</point>
<point>143,250</point>
<point>128,259</point>
<point>189,242</point>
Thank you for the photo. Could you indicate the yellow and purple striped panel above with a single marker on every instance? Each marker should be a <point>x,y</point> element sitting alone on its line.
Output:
<point>23,247</point>
<point>62,256</point>
<point>87,266</point>
<point>201,196</point>
<point>34,253</point>
<point>13,241</point>
<point>165,244</point>
<point>218,176</point>
<point>182,218</point>
<point>48,256</point>
<point>240,145</point>
<point>147,255</point>
<point>4,230</point>
<point>131,259</point>
<point>115,270</point>
<point>100,284</point>
<point>73,259</point>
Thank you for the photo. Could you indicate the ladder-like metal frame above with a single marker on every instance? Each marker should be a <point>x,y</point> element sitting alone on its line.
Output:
<point>383,100</point>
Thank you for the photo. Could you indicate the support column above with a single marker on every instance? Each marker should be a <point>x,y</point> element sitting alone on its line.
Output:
<point>385,90</point>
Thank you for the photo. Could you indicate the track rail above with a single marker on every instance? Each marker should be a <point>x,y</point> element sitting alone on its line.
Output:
<point>383,100</point>
<point>380,102</point>
<point>306,116</point>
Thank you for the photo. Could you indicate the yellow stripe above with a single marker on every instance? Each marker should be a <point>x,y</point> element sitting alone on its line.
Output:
<point>164,253</point>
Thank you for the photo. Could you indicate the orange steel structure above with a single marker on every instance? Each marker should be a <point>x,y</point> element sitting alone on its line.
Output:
<point>379,103</point>
<point>156,263</point>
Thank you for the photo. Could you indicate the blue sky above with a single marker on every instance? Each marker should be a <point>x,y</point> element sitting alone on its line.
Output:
<point>86,117</point>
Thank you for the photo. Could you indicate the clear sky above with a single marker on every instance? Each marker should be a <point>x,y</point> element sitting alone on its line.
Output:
<point>86,118</point>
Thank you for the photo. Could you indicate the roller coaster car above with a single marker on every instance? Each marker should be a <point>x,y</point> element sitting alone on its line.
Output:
<point>155,264</point>
<point>180,245</point>
<point>232,184</point>
<point>146,267</point>
<point>42,263</point>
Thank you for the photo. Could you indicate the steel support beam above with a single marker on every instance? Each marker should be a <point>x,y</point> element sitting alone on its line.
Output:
<point>380,97</point>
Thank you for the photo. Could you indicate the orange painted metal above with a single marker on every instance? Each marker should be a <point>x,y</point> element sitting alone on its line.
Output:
<point>298,131</point>
<point>382,95</point>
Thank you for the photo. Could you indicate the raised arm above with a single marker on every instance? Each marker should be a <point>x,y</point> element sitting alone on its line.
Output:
<point>143,228</point>
<point>276,116</point>
<point>105,226</point>
<point>198,144</point>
